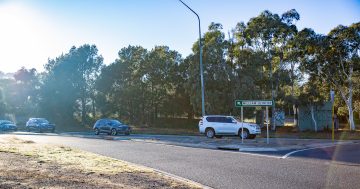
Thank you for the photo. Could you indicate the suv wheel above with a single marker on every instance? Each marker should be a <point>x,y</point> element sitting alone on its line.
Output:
<point>210,133</point>
<point>97,131</point>
<point>245,135</point>
<point>113,132</point>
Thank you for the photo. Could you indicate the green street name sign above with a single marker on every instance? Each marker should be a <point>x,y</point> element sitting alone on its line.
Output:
<point>240,103</point>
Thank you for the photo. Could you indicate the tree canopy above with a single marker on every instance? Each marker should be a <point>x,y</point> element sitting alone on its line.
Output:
<point>264,58</point>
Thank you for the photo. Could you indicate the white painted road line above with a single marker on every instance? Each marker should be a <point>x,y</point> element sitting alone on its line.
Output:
<point>260,155</point>
<point>296,151</point>
<point>257,149</point>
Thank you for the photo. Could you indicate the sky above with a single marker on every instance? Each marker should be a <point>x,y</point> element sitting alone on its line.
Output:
<point>33,31</point>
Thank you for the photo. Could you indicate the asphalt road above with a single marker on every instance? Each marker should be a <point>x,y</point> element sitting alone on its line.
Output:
<point>227,169</point>
<point>348,154</point>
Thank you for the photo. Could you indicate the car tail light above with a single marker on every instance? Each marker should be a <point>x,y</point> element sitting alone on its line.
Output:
<point>201,122</point>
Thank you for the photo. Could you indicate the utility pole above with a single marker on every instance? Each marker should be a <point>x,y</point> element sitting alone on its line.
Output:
<point>201,65</point>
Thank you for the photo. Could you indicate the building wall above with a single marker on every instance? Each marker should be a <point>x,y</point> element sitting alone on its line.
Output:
<point>323,116</point>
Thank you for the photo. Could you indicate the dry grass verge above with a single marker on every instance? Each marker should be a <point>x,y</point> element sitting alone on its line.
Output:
<point>25,164</point>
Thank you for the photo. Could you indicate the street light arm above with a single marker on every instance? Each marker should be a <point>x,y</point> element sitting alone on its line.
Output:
<point>191,10</point>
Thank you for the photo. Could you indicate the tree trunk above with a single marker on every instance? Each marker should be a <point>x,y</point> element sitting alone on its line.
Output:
<point>292,95</point>
<point>313,117</point>
<point>295,112</point>
<point>83,111</point>
<point>351,117</point>
<point>93,108</point>
<point>348,100</point>
<point>273,113</point>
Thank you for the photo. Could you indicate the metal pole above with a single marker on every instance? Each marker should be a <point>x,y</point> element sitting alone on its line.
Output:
<point>201,65</point>
<point>242,126</point>
<point>332,98</point>
<point>267,125</point>
<point>333,124</point>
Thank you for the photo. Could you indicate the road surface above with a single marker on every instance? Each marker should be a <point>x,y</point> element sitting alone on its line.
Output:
<point>229,169</point>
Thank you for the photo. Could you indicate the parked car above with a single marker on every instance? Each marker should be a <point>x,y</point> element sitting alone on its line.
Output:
<point>111,127</point>
<point>219,125</point>
<point>6,125</point>
<point>39,125</point>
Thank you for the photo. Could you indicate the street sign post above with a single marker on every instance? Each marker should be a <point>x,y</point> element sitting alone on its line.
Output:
<point>332,98</point>
<point>254,103</point>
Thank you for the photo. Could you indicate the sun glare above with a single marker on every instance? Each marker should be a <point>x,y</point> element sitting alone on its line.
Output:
<point>23,37</point>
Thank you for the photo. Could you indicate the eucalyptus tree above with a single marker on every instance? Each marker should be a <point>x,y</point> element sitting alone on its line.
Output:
<point>67,83</point>
<point>25,92</point>
<point>334,57</point>
<point>217,72</point>
<point>141,85</point>
<point>286,52</point>
<point>87,64</point>
<point>247,65</point>
<point>270,34</point>
<point>121,91</point>
<point>247,78</point>
<point>312,96</point>
<point>19,93</point>
<point>160,70</point>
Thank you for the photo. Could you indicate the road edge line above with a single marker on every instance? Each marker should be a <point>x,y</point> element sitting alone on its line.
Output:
<point>306,149</point>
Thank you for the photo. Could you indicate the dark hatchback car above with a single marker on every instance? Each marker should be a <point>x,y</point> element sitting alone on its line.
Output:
<point>39,125</point>
<point>111,127</point>
<point>6,125</point>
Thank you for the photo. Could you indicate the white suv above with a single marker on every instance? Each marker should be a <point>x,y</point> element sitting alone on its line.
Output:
<point>218,125</point>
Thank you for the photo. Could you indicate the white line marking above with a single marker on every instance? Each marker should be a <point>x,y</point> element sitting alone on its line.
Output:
<point>257,149</point>
<point>260,155</point>
<point>296,151</point>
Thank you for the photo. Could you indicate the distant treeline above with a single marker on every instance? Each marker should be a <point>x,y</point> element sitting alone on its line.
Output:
<point>265,58</point>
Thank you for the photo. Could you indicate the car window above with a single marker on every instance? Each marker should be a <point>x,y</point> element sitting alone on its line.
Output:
<point>42,121</point>
<point>221,120</point>
<point>211,119</point>
<point>228,120</point>
<point>115,122</point>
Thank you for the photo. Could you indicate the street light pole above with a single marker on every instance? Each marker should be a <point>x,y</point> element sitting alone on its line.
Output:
<point>201,65</point>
